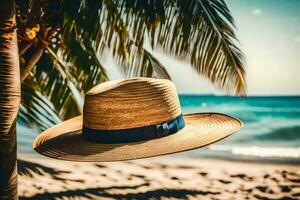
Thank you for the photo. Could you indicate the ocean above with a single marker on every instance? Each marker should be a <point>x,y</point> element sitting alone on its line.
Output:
<point>271,129</point>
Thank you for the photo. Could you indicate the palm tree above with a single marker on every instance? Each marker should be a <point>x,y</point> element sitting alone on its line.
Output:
<point>9,100</point>
<point>63,45</point>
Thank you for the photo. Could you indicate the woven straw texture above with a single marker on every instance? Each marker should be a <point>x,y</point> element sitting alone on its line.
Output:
<point>129,104</point>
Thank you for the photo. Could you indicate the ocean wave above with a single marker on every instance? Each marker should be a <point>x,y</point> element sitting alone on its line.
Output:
<point>269,125</point>
<point>256,151</point>
<point>282,134</point>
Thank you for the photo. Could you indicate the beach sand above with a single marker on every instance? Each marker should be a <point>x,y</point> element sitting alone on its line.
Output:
<point>158,178</point>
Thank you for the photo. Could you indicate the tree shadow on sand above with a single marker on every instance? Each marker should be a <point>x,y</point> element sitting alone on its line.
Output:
<point>26,168</point>
<point>101,192</point>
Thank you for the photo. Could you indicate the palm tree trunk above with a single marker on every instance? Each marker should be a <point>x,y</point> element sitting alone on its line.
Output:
<point>9,100</point>
<point>32,62</point>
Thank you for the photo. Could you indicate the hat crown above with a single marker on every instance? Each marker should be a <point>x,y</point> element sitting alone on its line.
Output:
<point>130,103</point>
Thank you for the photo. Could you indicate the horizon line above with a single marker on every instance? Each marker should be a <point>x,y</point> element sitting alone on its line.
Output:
<point>230,95</point>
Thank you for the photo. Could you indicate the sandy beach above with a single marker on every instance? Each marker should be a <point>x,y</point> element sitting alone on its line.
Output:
<point>158,178</point>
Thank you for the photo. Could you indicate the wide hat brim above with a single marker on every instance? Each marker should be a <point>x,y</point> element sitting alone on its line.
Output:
<point>65,142</point>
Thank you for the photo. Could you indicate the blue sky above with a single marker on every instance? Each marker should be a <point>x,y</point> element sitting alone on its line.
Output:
<point>269,33</point>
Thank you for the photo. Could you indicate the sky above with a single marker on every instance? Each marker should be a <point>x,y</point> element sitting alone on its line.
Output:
<point>269,34</point>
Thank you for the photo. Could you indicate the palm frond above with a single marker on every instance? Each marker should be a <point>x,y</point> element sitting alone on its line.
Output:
<point>46,97</point>
<point>37,109</point>
<point>84,62</point>
<point>201,31</point>
<point>101,31</point>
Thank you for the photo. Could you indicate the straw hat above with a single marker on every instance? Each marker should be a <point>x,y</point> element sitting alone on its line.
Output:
<point>132,119</point>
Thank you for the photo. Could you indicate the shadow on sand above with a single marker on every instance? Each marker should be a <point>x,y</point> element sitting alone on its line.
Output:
<point>100,192</point>
<point>26,168</point>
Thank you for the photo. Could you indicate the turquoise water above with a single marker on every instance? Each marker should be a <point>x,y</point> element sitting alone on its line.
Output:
<point>271,126</point>
<point>271,131</point>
